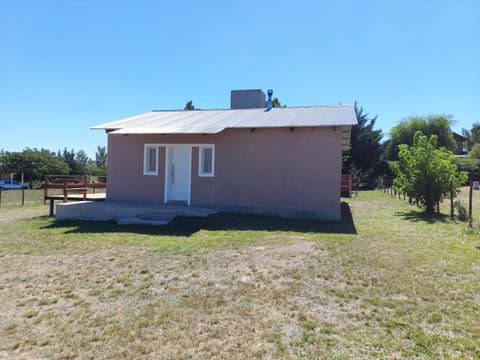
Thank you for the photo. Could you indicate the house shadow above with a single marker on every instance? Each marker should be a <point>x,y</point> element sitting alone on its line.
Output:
<point>422,216</point>
<point>186,226</point>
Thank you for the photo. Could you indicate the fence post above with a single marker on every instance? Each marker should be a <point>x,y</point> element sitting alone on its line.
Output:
<point>45,190</point>
<point>0,196</point>
<point>470,198</point>
<point>23,196</point>
<point>451,202</point>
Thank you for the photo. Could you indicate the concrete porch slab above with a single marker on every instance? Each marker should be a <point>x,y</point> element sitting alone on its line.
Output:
<point>127,212</point>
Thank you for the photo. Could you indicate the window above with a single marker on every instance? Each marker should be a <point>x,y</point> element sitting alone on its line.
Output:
<point>150,163</point>
<point>206,160</point>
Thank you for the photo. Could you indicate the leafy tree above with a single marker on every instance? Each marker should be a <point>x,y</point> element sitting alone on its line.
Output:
<point>365,148</point>
<point>189,106</point>
<point>276,103</point>
<point>403,133</point>
<point>101,156</point>
<point>78,162</point>
<point>471,166</point>
<point>81,162</point>
<point>475,151</point>
<point>426,173</point>
<point>33,163</point>
<point>472,135</point>
<point>69,158</point>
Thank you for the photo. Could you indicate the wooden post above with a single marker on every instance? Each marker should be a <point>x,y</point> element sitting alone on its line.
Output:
<point>438,207</point>
<point>45,189</point>
<point>23,196</point>
<point>0,196</point>
<point>451,202</point>
<point>470,198</point>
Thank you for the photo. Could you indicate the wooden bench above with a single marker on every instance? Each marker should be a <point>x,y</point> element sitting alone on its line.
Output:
<point>74,190</point>
<point>73,187</point>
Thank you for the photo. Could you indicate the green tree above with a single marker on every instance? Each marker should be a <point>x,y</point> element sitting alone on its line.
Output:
<point>365,148</point>
<point>81,162</point>
<point>101,156</point>
<point>69,158</point>
<point>276,102</point>
<point>472,135</point>
<point>439,125</point>
<point>33,163</point>
<point>78,162</point>
<point>471,166</point>
<point>426,173</point>
<point>475,151</point>
<point>189,105</point>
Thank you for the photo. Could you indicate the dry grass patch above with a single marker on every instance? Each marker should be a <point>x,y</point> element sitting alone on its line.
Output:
<point>219,303</point>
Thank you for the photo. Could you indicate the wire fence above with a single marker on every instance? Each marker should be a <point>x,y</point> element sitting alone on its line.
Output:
<point>464,199</point>
<point>465,207</point>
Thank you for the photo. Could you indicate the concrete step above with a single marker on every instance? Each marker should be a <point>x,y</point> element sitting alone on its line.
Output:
<point>172,212</point>
<point>165,216</point>
<point>138,221</point>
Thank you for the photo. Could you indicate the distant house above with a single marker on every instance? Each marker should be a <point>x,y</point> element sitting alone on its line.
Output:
<point>459,140</point>
<point>251,158</point>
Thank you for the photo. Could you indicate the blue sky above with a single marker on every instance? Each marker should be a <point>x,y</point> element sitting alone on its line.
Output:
<point>69,65</point>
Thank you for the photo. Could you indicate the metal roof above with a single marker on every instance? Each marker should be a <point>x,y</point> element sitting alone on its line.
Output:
<point>215,121</point>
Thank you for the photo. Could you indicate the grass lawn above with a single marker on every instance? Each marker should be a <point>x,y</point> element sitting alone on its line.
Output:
<point>386,282</point>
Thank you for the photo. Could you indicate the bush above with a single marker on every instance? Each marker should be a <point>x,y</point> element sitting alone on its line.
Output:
<point>461,210</point>
<point>475,152</point>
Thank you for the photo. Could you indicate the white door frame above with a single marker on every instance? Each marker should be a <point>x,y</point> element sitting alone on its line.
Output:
<point>168,151</point>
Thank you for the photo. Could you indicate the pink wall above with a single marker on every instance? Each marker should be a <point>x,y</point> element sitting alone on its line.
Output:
<point>285,172</point>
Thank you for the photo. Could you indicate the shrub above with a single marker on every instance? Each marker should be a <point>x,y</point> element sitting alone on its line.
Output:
<point>475,152</point>
<point>461,210</point>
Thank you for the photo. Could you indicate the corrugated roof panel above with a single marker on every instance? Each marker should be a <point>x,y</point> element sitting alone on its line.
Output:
<point>213,121</point>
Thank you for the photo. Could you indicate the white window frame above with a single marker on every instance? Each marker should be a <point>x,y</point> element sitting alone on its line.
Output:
<point>146,159</point>
<point>201,173</point>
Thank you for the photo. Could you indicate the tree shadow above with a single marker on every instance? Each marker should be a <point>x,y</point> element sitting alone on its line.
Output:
<point>422,216</point>
<point>186,226</point>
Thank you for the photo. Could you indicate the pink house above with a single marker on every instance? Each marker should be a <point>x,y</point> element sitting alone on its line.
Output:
<point>250,158</point>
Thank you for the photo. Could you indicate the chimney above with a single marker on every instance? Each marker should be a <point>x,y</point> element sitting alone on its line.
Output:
<point>247,99</point>
<point>269,101</point>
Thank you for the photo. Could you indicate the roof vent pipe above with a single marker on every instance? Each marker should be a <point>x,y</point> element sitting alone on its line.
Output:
<point>269,101</point>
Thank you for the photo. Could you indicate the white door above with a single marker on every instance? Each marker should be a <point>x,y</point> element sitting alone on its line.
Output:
<point>178,174</point>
